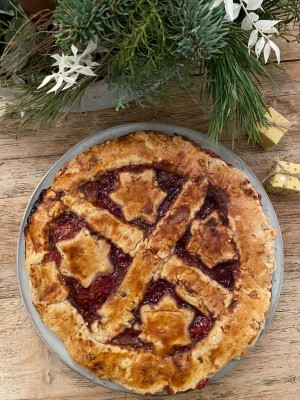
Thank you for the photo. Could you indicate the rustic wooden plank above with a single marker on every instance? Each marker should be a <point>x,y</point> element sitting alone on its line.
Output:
<point>28,371</point>
<point>56,140</point>
<point>289,51</point>
<point>17,173</point>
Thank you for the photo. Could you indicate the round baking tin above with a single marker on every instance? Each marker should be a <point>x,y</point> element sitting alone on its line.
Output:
<point>49,337</point>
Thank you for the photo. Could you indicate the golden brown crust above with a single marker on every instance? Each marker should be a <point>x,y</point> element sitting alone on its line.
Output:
<point>196,287</point>
<point>134,206</point>
<point>46,284</point>
<point>244,237</point>
<point>211,241</point>
<point>84,257</point>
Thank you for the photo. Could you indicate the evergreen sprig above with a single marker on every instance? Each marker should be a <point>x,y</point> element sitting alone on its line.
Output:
<point>82,21</point>
<point>196,31</point>
<point>231,83</point>
<point>143,46</point>
<point>159,38</point>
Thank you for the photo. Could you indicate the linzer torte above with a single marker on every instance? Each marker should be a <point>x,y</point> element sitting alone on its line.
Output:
<point>152,260</point>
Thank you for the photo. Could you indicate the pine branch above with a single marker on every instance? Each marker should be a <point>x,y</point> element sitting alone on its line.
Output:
<point>43,108</point>
<point>82,21</point>
<point>159,38</point>
<point>142,57</point>
<point>145,44</point>
<point>231,82</point>
<point>196,31</point>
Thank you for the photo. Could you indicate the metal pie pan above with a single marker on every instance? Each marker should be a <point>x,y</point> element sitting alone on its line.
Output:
<point>49,337</point>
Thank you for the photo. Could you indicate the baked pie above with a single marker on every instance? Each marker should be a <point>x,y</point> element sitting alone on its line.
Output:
<point>152,260</point>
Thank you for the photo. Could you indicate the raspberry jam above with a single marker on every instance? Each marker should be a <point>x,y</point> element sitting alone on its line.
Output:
<point>211,153</point>
<point>216,200</point>
<point>36,204</point>
<point>201,384</point>
<point>170,183</point>
<point>129,337</point>
<point>198,329</point>
<point>97,192</point>
<point>88,300</point>
<point>53,255</point>
<point>65,227</point>
<point>224,273</point>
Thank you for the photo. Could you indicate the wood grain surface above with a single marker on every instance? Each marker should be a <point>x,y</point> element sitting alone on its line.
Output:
<point>28,370</point>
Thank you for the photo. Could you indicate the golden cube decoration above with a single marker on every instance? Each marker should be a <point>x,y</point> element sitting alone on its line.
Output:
<point>283,178</point>
<point>271,135</point>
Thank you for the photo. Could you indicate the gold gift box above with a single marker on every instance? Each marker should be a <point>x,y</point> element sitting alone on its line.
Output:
<point>271,135</point>
<point>283,178</point>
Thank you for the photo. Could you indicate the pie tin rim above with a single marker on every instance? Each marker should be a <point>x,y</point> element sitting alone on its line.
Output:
<point>50,339</point>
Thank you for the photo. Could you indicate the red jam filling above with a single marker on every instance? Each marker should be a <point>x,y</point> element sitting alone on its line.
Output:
<point>66,227</point>
<point>53,255</point>
<point>224,273</point>
<point>129,337</point>
<point>98,192</point>
<point>199,327</point>
<point>216,200</point>
<point>36,204</point>
<point>211,153</point>
<point>259,198</point>
<point>88,300</point>
<point>170,183</point>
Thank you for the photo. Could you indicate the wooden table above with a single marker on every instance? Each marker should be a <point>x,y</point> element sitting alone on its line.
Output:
<point>28,370</point>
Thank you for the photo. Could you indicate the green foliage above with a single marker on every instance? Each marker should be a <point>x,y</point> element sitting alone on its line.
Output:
<point>195,30</point>
<point>143,45</point>
<point>141,56</point>
<point>159,38</point>
<point>286,10</point>
<point>231,82</point>
<point>6,8</point>
<point>81,21</point>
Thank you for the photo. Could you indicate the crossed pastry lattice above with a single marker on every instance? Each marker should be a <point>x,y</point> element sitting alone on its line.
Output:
<point>155,257</point>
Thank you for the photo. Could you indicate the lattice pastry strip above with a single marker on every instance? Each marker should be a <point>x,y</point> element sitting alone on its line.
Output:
<point>105,224</point>
<point>116,312</point>
<point>170,228</point>
<point>196,287</point>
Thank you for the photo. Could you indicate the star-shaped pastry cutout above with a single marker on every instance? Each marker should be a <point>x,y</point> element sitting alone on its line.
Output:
<point>139,195</point>
<point>84,257</point>
<point>212,241</point>
<point>166,325</point>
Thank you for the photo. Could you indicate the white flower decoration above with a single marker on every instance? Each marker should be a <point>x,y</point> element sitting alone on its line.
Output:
<point>70,67</point>
<point>261,30</point>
